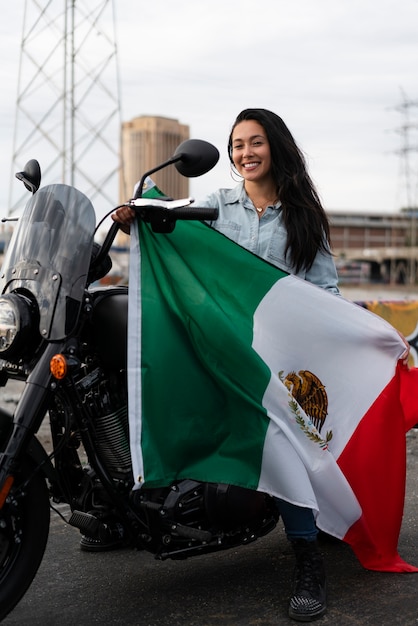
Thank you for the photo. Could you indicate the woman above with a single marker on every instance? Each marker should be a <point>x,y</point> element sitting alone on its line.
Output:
<point>275,212</point>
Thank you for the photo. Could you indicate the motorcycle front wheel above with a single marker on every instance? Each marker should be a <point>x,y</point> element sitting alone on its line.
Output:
<point>24,528</point>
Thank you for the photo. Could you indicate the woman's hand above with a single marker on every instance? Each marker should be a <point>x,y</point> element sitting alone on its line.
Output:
<point>405,355</point>
<point>125,217</point>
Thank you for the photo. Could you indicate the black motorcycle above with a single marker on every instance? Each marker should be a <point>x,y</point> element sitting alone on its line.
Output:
<point>66,338</point>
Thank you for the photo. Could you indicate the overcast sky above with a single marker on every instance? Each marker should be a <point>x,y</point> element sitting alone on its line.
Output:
<point>334,70</point>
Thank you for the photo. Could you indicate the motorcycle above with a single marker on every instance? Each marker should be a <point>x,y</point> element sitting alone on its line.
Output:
<point>65,336</point>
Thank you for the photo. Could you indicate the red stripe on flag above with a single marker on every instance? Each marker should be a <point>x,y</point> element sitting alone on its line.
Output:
<point>374,463</point>
<point>409,395</point>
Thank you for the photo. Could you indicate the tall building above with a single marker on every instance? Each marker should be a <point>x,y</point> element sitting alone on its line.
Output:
<point>148,141</point>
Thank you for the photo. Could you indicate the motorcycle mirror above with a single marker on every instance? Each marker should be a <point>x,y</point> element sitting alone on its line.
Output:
<point>195,157</point>
<point>31,176</point>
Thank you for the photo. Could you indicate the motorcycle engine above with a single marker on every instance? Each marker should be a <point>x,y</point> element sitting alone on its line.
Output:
<point>113,442</point>
<point>191,517</point>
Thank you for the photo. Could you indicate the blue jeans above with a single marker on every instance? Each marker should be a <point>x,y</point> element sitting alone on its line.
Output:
<point>299,522</point>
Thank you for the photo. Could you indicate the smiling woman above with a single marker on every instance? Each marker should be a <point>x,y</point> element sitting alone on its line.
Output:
<point>275,212</point>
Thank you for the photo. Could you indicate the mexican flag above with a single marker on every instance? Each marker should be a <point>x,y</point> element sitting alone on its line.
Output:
<point>242,374</point>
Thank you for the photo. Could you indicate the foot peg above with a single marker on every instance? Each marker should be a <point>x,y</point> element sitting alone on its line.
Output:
<point>87,523</point>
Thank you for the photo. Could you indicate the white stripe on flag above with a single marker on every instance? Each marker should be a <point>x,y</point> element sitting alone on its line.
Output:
<point>134,358</point>
<point>354,374</point>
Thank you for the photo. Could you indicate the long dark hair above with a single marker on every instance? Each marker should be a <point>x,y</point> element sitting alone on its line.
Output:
<point>303,214</point>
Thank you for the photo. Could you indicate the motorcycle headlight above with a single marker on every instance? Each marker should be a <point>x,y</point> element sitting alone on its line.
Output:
<point>9,324</point>
<point>15,324</point>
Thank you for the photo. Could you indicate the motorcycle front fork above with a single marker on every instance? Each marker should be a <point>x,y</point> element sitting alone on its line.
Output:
<point>27,419</point>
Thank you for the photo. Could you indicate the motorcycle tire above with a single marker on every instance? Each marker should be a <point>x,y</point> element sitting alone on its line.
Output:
<point>24,529</point>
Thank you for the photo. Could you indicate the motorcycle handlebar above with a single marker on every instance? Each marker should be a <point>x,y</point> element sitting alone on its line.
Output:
<point>162,220</point>
<point>146,209</point>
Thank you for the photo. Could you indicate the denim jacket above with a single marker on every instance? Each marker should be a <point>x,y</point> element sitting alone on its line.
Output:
<point>265,236</point>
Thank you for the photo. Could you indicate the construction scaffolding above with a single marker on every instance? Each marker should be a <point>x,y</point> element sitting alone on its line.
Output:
<point>68,113</point>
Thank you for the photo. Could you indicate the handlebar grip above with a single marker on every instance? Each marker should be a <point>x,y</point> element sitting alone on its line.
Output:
<point>195,213</point>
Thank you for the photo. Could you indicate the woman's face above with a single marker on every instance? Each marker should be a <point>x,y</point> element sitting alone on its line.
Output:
<point>251,151</point>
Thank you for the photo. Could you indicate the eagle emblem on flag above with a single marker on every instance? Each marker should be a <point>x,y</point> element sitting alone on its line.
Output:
<point>309,392</point>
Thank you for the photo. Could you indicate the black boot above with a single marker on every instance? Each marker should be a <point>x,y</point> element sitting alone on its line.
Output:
<point>309,590</point>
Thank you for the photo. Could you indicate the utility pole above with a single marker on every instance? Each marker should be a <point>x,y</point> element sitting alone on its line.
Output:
<point>68,113</point>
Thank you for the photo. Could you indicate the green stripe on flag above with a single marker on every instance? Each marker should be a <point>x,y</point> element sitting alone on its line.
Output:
<point>202,383</point>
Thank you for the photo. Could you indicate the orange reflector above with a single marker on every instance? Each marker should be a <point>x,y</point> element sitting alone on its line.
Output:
<point>58,366</point>
<point>6,490</point>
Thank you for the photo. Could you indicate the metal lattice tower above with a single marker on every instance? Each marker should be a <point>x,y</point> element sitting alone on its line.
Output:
<point>68,103</point>
<point>409,173</point>
<point>408,151</point>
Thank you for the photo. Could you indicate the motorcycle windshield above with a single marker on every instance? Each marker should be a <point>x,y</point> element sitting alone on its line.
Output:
<point>49,256</point>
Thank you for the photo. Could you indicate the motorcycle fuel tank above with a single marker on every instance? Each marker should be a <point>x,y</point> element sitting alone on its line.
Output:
<point>110,325</point>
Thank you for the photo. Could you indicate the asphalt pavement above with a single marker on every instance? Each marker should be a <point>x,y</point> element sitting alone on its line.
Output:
<point>248,586</point>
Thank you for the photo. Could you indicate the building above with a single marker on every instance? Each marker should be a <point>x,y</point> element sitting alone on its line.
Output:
<point>148,141</point>
<point>387,243</point>
<point>369,230</point>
